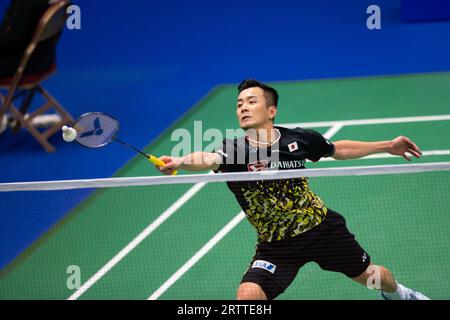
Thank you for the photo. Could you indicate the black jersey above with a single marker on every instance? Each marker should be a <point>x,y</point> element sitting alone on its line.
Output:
<point>278,209</point>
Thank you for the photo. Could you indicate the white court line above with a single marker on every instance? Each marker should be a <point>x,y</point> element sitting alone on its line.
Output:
<point>196,257</point>
<point>367,121</point>
<point>216,239</point>
<point>333,130</point>
<point>136,241</point>
<point>388,155</point>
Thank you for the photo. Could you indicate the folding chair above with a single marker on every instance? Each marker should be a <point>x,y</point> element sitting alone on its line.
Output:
<point>26,86</point>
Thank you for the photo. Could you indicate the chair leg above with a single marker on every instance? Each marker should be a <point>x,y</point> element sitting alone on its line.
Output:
<point>2,106</point>
<point>24,106</point>
<point>26,123</point>
<point>32,130</point>
<point>2,98</point>
<point>67,118</point>
<point>7,101</point>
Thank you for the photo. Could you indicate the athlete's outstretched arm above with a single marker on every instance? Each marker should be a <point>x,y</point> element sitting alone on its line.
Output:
<point>348,149</point>
<point>196,161</point>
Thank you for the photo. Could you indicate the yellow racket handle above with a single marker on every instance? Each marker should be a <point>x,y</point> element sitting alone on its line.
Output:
<point>158,162</point>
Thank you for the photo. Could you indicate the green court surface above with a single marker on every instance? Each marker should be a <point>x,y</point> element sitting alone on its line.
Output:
<point>403,221</point>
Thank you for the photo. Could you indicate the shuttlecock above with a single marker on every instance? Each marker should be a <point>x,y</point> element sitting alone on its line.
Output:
<point>69,134</point>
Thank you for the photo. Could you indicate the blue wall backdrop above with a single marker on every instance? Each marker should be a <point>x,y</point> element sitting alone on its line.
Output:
<point>147,62</point>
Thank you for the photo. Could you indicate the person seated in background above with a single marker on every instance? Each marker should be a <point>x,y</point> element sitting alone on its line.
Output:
<point>17,30</point>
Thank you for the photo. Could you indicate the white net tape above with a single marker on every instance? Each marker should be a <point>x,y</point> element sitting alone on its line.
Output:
<point>223,177</point>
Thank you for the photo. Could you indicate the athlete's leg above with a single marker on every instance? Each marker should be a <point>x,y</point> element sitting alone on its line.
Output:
<point>340,252</point>
<point>379,277</point>
<point>250,291</point>
<point>272,269</point>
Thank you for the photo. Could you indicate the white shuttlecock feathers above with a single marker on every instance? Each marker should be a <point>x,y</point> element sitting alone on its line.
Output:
<point>69,134</point>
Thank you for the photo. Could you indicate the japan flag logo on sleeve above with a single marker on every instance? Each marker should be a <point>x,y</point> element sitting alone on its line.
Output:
<point>293,146</point>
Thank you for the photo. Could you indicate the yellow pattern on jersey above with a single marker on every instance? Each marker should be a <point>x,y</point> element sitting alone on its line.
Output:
<point>279,209</point>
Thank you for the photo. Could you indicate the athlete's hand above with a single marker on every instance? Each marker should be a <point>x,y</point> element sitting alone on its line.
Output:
<point>172,164</point>
<point>400,145</point>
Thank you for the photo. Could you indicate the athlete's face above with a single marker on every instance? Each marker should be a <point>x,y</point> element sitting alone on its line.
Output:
<point>252,110</point>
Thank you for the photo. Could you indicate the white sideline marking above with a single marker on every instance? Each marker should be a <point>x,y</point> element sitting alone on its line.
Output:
<point>367,121</point>
<point>197,256</point>
<point>333,130</point>
<point>388,155</point>
<point>136,241</point>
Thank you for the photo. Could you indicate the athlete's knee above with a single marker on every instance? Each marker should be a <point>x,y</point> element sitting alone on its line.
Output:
<point>379,277</point>
<point>384,272</point>
<point>381,272</point>
<point>387,279</point>
<point>250,291</point>
<point>372,277</point>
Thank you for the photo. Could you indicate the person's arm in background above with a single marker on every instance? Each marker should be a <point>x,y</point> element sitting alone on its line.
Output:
<point>349,149</point>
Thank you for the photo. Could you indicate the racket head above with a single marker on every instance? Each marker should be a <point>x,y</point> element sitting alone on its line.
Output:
<point>96,129</point>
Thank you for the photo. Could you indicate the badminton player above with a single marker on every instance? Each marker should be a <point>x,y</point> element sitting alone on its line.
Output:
<point>294,226</point>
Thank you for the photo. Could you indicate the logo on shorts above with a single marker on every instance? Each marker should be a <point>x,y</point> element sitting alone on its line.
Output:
<point>364,257</point>
<point>264,265</point>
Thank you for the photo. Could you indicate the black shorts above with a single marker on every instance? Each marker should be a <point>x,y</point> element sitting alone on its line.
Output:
<point>330,245</point>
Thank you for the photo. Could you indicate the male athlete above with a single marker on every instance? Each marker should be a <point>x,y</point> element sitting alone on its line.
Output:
<point>293,225</point>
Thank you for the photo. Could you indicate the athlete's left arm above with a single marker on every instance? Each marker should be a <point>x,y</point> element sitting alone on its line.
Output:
<point>349,149</point>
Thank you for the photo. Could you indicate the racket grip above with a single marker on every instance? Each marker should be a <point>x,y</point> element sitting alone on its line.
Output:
<point>158,162</point>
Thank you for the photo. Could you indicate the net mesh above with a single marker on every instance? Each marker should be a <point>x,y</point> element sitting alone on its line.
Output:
<point>189,239</point>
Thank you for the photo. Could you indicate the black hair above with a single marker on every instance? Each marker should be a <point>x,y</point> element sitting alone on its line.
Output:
<point>270,93</point>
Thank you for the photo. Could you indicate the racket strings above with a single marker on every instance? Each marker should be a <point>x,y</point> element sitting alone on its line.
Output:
<point>96,130</point>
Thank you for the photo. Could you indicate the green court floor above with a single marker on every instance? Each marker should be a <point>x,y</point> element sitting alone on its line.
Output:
<point>403,221</point>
